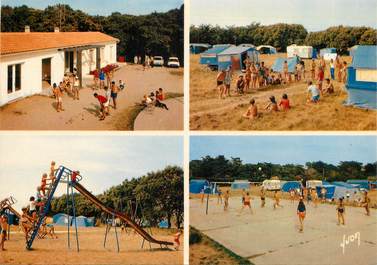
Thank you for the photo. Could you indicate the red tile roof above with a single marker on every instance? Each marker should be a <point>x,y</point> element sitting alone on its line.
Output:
<point>15,42</point>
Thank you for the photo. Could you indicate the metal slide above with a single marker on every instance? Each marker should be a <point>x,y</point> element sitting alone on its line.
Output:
<point>122,216</point>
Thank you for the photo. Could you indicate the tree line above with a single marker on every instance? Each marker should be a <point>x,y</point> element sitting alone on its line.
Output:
<point>282,35</point>
<point>154,197</point>
<point>153,34</point>
<point>222,169</point>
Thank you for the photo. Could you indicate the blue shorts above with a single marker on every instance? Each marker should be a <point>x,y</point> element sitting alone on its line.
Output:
<point>315,98</point>
<point>114,95</point>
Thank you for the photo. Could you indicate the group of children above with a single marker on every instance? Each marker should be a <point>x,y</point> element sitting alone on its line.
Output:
<point>258,75</point>
<point>302,195</point>
<point>70,85</point>
<point>155,99</point>
<point>110,94</point>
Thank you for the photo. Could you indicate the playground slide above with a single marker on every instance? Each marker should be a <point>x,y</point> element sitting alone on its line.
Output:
<point>122,216</point>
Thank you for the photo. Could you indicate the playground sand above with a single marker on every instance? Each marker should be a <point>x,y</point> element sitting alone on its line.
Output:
<point>38,112</point>
<point>55,251</point>
<point>208,112</point>
<point>271,236</point>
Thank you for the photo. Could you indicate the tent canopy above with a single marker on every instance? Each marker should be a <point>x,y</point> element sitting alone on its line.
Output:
<point>266,49</point>
<point>330,190</point>
<point>279,64</point>
<point>365,56</point>
<point>240,184</point>
<point>197,185</point>
<point>289,185</point>
<point>233,50</point>
<point>83,221</point>
<point>363,183</point>
<point>62,219</point>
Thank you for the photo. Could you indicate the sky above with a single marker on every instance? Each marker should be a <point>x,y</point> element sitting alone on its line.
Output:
<point>103,161</point>
<point>313,15</point>
<point>287,149</point>
<point>101,7</point>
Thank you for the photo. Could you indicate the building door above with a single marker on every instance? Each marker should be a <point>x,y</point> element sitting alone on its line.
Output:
<point>68,61</point>
<point>14,79</point>
<point>46,73</point>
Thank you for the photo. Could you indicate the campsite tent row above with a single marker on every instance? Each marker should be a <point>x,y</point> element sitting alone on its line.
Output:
<point>224,55</point>
<point>82,221</point>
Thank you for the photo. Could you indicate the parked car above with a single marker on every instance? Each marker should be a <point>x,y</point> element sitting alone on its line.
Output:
<point>173,62</point>
<point>158,61</point>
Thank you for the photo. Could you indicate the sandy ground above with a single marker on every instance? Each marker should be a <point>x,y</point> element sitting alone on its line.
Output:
<point>208,112</point>
<point>161,119</point>
<point>38,112</point>
<point>55,251</point>
<point>271,236</point>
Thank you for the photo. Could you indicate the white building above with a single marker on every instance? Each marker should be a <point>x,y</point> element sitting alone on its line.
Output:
<point>32,61</point>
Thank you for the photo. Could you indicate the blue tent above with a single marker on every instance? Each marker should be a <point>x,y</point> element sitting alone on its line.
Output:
<point>163,224</point>
<point>361,85</point>
<point>330,190</point>
<point>197,185</point>
<point>279,64</point>
<point>209,57</point>
<point>289,185</point>
<point>327,50</point>
<point>342,188</point>
<point>363,183</point>
<point>239,185</point>
<point>235,56</point>
<point>62,219</point>
<point>83,221</point>
<point>196,48</point>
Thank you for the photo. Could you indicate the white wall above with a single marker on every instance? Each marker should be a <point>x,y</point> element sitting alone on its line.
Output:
<point>108,56</point>
<point>31,72</point>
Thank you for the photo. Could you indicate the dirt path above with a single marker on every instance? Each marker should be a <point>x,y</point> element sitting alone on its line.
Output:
<point>38,112</point>
<point>161,119</point>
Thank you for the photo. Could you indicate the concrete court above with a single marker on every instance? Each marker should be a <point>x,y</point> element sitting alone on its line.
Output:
<point>271,236</point>
<point>161,119</point>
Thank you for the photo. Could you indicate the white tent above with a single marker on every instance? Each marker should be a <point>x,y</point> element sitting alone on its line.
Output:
<point>267,49</point>
<point>305,52</point>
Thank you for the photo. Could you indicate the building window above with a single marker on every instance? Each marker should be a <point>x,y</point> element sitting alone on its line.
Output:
<point>14,78</point>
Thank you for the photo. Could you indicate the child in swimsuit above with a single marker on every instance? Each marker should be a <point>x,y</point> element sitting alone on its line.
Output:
<point>247,203</point>
<point>340,209</point>
<point>4,228</point>
<point>176,239</point>
<point>272,106</point>
<point>226,200</point>
<point>301,212</point>
<point>263,197</point>
<point>252,111</point>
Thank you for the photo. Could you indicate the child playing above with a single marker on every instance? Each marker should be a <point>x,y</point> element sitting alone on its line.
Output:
<point>340,209</point>
<point>202,196</point>
<point>312,70</point>
<point>74,175</point>
<point>263,197</point>
<point>104,104</point>
<point>301,212</point>
<point>76,83</point>
<point>32,205</point>
<point>114,93</point>
<point>277,200</point>
<point>366,203</point>
<point>329,88</point>
<point>52,172</point>
<point>332,69</point>
<point>161,94</point>
<point>285,71</point>
<point>4,228</point>
<point>44,184</point>
<point>240,84</point>
<point>121,85</point>
<point>272,106</point>
<point>176,239</point>
<point>292,195</point>
<point>252,111</point>
<point>58,97</point>
<point>246,203</point>
<point>220,82</point>
<point>284,102</point>
<point>313,93</point>
<point>226,200</point>
<point>219,197</point>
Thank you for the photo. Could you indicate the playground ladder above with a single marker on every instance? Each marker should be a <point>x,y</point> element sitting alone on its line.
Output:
<point>60,175</point>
